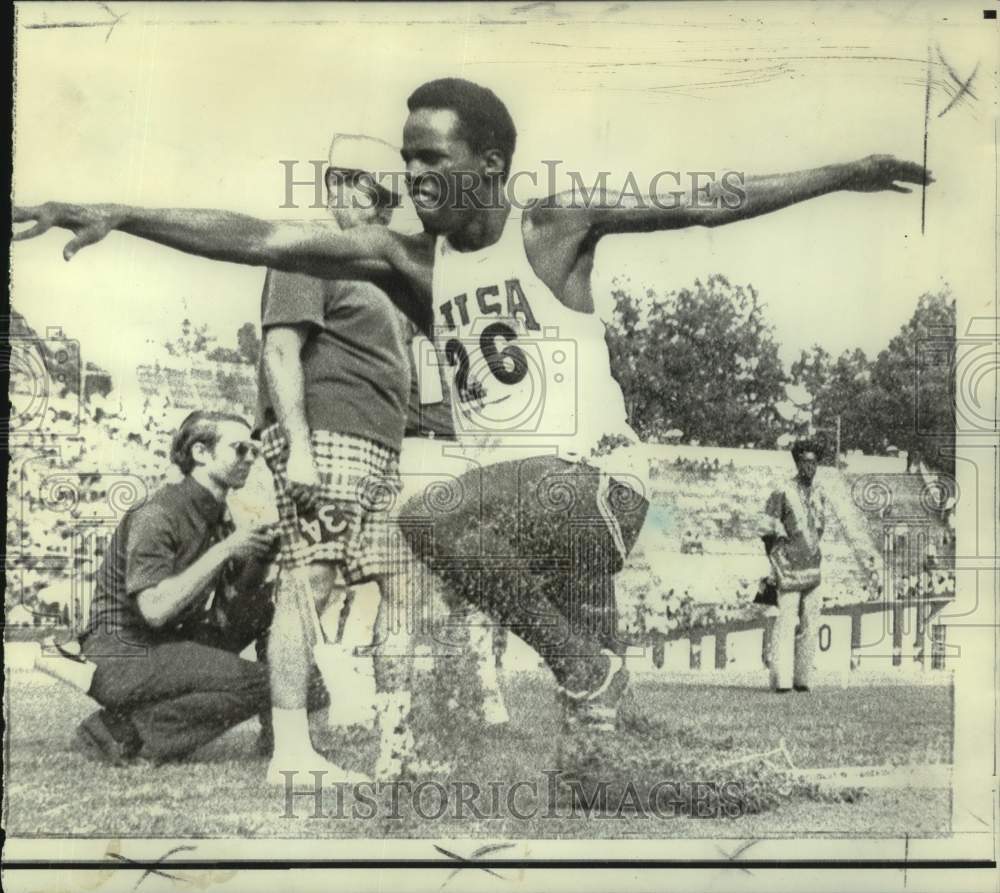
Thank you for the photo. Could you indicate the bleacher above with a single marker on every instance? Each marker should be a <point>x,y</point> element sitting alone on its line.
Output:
<point>701,538</point>
<point>721,508</point>
<point>904,500</point>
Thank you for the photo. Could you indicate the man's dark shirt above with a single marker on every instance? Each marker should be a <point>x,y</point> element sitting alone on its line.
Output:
<point>157,540</point>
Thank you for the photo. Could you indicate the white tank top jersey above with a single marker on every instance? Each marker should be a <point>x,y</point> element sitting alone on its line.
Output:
<point>528,376</point>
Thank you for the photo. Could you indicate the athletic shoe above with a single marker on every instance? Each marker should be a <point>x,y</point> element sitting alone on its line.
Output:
<point>597,711</point>
<point>108,738</point>
<point>590,722</point>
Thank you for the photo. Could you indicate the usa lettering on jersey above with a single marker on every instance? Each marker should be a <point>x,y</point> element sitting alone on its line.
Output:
<point>486,300</point>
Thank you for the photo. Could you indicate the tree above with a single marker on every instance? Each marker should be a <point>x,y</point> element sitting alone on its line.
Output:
<point>249,343</point>
<point>702,360</point>
<point>914,390</point>
<point>192,340</point>
<point>905,398</point>
<point>197,340</point>
<point>841,389</point>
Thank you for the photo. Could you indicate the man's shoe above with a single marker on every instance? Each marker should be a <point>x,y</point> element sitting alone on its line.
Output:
<point>801,688</point>
<point>782,691</point>
<point>109,739</point>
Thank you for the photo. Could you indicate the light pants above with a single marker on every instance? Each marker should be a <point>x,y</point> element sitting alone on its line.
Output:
<point>794,637</point>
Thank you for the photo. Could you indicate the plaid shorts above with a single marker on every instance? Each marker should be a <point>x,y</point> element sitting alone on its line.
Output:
<point>359,483</point>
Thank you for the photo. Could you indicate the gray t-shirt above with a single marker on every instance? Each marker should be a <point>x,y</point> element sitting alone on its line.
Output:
<point>354,361</point>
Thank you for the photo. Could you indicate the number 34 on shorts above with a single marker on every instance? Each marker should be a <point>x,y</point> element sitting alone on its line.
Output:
<point>327,523</point>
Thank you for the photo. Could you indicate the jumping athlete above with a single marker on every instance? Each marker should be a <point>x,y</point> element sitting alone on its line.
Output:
<point>531,531</point>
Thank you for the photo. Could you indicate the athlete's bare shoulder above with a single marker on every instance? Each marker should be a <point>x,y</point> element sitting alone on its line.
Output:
<point>558,243</point>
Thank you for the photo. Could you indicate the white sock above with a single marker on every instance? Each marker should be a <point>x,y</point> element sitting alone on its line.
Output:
<point>291,731</point>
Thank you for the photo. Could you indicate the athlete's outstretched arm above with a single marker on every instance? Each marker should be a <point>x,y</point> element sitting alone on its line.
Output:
<point>732,197</point>
<point>319,248</point>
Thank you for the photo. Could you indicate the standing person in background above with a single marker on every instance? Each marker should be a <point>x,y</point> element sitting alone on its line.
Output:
<point>794,519</point>
<point>332,411</point>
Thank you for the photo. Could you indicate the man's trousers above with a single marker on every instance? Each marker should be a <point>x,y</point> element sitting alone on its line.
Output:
<point>179,695</point>
<point>794,637</point>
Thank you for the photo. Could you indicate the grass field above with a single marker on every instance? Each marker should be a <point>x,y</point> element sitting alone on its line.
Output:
<point>53,791</point>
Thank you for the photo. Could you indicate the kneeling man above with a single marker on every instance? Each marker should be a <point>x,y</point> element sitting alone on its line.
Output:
<point>179,595</point>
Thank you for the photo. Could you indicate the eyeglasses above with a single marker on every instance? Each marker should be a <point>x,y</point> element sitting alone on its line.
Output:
<point>246,448</point>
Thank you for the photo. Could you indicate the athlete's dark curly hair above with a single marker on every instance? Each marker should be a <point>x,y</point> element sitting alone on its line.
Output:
<point>484,119</point>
